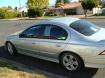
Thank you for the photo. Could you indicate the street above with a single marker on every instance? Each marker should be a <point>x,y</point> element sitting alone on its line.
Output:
<point>8,27</point>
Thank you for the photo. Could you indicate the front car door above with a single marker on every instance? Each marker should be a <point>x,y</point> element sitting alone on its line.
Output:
<point>28,40</point>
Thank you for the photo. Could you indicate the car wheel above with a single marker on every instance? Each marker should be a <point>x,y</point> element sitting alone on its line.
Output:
<point>71,62</point>
<point>10,48</point>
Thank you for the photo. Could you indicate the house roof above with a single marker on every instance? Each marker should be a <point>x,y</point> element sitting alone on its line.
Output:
<point>70,5</point>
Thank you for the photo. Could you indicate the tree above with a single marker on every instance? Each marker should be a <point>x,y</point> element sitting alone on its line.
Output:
<point>36,7</point>
<point>16,9</point>
<point>32,4</point>
<point>9,7</point>
<point>102,3</point>
<point>5,12</point>
<point>89,5</point>
<point>66,1</point>
<point>61,2</point>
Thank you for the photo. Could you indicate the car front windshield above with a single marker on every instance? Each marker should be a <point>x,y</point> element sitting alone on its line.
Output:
<point>84,27</point>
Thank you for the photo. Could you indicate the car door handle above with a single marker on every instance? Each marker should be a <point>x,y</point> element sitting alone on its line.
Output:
<point>58,45</point>
<point>24,39</point>
<point>33,43</point>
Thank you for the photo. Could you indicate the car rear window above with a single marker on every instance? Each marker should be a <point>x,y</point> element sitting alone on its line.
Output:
<point>84,27</point>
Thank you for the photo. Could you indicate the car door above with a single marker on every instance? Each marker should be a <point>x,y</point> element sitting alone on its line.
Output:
<point>28,40</point>
<point>55,41</point>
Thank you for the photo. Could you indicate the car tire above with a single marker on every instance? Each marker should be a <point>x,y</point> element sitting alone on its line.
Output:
<point>10,48</point>
<point>71,62</point>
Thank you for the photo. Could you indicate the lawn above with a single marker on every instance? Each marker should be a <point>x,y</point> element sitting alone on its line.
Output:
<point>9,71</point>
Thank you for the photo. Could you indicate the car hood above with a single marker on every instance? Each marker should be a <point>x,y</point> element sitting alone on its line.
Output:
<point>17,33</point>
<point>13,36</point>
<point>98,36</point>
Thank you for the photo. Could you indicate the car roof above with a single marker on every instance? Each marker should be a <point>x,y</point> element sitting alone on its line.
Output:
<point>65,20</point>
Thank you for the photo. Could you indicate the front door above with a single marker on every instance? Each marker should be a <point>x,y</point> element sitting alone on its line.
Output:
<point>28,40</point>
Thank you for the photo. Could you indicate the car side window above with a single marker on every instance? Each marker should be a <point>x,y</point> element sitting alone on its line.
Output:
<point>58,33</point>
<point>33,32</point>
<point>84,27</point>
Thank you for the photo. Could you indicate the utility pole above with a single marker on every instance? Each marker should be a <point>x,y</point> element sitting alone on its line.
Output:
<point>20,8</point>
<point>19,4</point>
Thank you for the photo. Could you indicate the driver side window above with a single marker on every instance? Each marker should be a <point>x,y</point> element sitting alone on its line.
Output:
<point>33,32</point>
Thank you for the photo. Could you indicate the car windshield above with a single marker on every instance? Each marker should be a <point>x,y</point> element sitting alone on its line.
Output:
<point>84,27</point>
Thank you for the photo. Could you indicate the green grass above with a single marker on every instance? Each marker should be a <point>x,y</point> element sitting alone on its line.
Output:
<point>9,71</point>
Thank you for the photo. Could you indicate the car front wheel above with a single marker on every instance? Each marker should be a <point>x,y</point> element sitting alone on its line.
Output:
<point>71,62</point>
<point>10,48</point>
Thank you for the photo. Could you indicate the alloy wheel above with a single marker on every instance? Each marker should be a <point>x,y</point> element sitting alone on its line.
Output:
<point>70,62</point>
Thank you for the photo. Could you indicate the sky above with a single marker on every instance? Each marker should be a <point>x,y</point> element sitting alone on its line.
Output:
<point>15,3</point>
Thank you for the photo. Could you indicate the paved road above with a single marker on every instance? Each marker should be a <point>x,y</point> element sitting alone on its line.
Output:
<point>8,27</point>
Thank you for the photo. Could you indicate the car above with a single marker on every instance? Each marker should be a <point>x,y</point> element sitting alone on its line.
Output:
<point>72,42</point>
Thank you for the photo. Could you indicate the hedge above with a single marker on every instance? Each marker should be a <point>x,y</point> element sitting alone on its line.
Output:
<point>37,12</point>
<point>4,13</point>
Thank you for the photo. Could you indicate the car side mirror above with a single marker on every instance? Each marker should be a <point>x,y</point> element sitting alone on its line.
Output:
<point>21,35</point>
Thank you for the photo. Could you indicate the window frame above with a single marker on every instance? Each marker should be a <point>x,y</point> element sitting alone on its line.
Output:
<point>79,22</point>
<point>20,36</point>
<point>46,34</point>
<point>61,28</point>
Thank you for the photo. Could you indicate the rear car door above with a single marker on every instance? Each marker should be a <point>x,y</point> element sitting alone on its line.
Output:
<point>55,41</point>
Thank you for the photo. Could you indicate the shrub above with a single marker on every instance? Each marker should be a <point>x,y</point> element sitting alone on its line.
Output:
<point>31,13</point>
<point>70,11</point>
<point>5,13</point>
<point>97,15</point>
<point>10,15</point>
<point>2,14</point>
<point>37,12</point>
<point>103,12</point>
<point>51,14</point>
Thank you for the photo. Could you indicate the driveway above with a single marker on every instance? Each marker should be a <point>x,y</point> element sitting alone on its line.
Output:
<point>8,27</point>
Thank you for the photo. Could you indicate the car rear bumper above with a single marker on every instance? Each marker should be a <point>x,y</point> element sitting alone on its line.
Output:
<point>95,62</point>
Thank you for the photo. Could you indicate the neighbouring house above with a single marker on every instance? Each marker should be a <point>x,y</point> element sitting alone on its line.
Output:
<point>69,9</point>
<point>98,10</point>
<point>74,8</point>
<point>22,9</point>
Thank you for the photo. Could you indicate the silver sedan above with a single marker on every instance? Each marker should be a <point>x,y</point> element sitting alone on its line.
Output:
<point>72,42</point>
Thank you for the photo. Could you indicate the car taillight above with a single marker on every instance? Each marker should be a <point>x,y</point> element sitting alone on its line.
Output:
<point>102,53</point>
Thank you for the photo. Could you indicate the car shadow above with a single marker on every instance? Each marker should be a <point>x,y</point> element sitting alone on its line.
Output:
<point>47,66</point>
